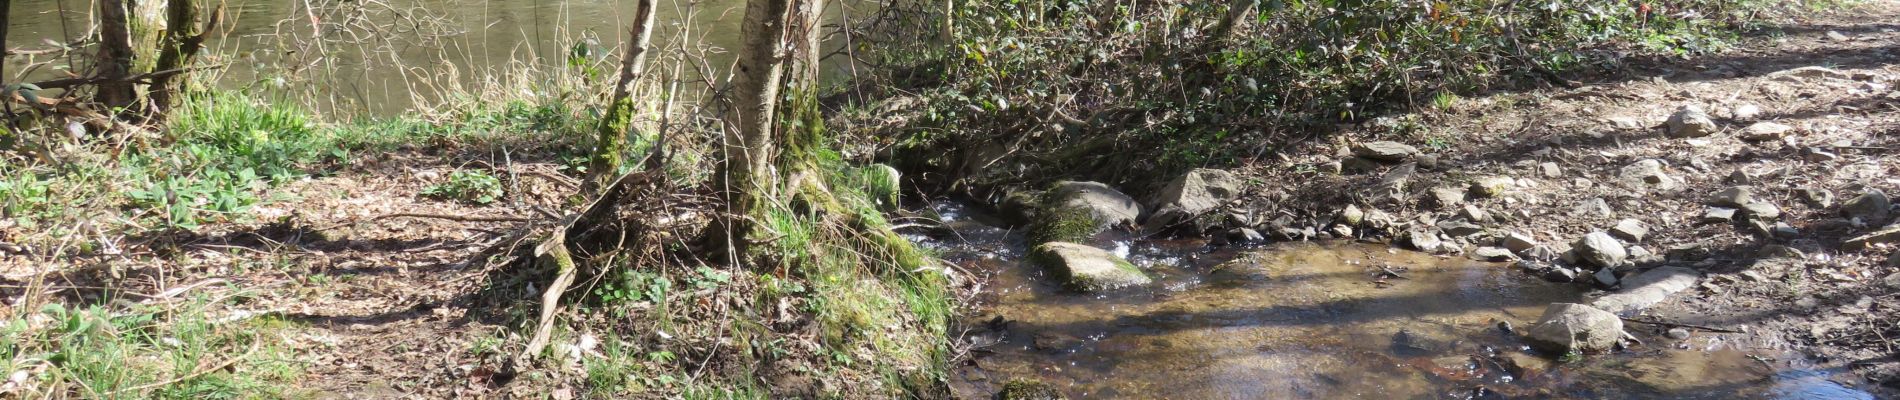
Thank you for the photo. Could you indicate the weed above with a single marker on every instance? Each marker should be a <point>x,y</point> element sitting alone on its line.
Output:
<point>146,351</point>
<point>470,186</point>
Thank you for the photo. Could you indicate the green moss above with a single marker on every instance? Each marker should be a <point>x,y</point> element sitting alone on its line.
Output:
<point>1024,389</point>
<point>1063,224</point>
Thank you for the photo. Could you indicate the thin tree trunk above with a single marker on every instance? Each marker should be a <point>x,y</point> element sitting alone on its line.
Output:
<point>5,5</point>
<point>115,57</point>
<point>746,173</point>
<point>1235,14</point>
<point>612,131</point>
<point>183,38</point>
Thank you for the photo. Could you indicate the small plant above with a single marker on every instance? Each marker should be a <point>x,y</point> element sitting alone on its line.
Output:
<point>474,187</point>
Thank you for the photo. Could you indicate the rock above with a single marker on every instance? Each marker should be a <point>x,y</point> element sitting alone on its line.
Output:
<point>1745,112</point>
<point>1809,72</point>
<point>1625,123</point>
<point>1691,121</point>
<point>1459,228</point>
<point>1245,235</point>
<point>1073,211</point>
<point>1733,197</point>
<point>1424,240</point>
<point>1472,213</point>
<point>1872,208</point>
<point>1392,185</point>
<point>1779,251</point>
<point>1491,254</point>
<point>1446,198</point>
<point>1086,268</point>
<point>1641,255</point>
<point>1333,167</point>
<point>1783,231</point>
<point>1739,177</point>
<point>1605,278</point>
<point>1428,161</point>
<point>1647,289</point>
<point>1024,389</point>
<point>1521,365</point>
<point>1409,343</point>
<point>1893,261</point>
<point>1817,198</point>
<point>1890,234</point>
<point>1648,175</point>
<point>1718,215</point>
<point>1491,186</point>
<point>1838,36</point>
<point>1816,154</point>
<point>1518,242</point>
<point>1594,207</point>
<point>1341,231</point>
<point>1198,192</point>
<point>1018,208</point>
<point>1387,151</point>
<point>1378,219</point>
<point>1892,280</point>
<point>1630,229</point>
<point>1560,274</point>
<point>1352,215</point>
<point>1359,165</point>
<point>1544,253</point>
<point>1765,131</point>
<point>1677,333</point>
<point>1761,211</point>
<point>1550,170</point>
<point>1568,328</point>
<point>1600,249</point>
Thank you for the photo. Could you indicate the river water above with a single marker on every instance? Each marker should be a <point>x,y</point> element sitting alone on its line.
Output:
<point>383,57</point>
<point>1315,321</point>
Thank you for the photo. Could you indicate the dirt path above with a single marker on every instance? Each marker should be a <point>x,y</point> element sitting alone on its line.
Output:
<point>1575,162</point>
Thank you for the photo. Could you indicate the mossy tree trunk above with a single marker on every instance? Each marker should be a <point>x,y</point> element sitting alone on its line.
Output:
<point>746,175</point>
<point>181,41</point>
<point>115,57</point>
<point>611,143</point>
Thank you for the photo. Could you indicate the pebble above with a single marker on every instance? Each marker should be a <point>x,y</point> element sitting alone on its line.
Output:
<point>1677,333</point>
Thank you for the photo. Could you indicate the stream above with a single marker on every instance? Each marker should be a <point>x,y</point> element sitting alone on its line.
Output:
<point>1313,320</point>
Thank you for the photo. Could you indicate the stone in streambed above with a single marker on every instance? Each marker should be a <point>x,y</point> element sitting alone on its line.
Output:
<point>1568,328</point>
<point>1075,211</point>
<point>1600,249</point>
<point>1647,289</point>
<point>1198,192</point>
<point>1024,389</point>
<point>1088,269</point>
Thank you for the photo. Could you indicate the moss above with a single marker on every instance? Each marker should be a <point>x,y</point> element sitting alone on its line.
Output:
<point>1024,389</point>
<point>1063,224</point>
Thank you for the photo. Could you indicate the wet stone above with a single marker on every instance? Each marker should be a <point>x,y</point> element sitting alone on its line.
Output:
<point>1567,328</point>
<point>1646,289</point>
<point>1086,268</point>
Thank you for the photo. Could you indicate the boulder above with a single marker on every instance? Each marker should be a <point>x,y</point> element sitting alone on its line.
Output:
<point>1087,269</point>
<point>1599,249</point>
<point>1518,242</point>
<point>1630,229</point>
<point>1109,206</point>
<point>1691,121</point>
<point>1872,208</point>
<point>1648,175</point>
<point>1568,328</point>
<point>1198,192</point>
<point>1386,151</point>
<point>1647,289</point>
<point>1765,131</point>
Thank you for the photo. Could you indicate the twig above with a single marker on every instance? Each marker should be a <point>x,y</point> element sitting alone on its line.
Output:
<point>451,217</point>
<point>194,374</point>
<point>1678,325</point>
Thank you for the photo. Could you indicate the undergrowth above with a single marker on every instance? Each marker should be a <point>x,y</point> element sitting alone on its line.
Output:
<point>179,350</point>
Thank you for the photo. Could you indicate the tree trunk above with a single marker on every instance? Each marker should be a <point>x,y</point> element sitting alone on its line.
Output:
<point>612,132</point>
<point>115,57</point>
<point>1235,13</point>
<point>5,5</point>
<point>183,38</point>
<point>746,174</point>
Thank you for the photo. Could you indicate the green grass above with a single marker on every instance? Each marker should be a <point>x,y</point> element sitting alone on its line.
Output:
<point>147,352</point>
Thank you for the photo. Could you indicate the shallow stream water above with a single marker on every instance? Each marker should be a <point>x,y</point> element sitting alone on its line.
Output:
<point>1315,320</point>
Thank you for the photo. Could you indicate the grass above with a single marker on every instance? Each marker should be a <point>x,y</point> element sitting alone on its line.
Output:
<point>469,186</point>
<point>167,351</point>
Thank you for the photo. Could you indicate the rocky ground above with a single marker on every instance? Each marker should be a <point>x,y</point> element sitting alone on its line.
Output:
<point>1742,194</point>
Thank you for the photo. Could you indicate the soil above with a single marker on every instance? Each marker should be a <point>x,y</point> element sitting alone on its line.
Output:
<point>1832,305</point>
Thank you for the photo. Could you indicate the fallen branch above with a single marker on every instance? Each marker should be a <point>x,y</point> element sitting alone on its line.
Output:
<point>452,217</point>
<point>1678,325</point>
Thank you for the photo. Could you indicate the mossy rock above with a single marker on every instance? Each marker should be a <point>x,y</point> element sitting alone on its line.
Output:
<point>1059,224</point>
<point>1087,269</point>
<point>1024,389</point>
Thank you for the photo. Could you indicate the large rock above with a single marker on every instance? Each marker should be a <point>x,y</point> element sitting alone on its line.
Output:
<point>1691,121</point>
<point>1648,175</point>
<point>1871,208</point>
<point>1086,268</point>
<point>1600,249</point>
<point>1198,192</point>
<point>1647,289</point>
<point>1075,211</point>
<point>1575,328</point>
<point>1387,151</point>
